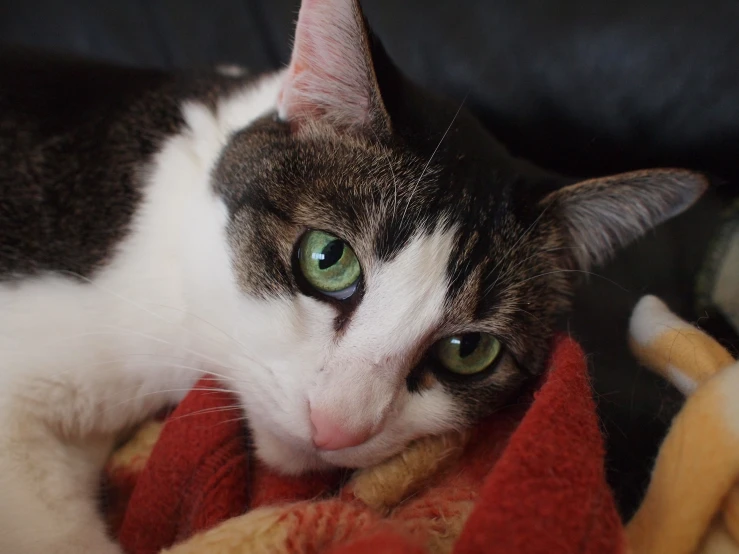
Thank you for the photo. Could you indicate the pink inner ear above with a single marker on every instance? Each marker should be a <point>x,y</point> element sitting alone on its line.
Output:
<point>330,76</point>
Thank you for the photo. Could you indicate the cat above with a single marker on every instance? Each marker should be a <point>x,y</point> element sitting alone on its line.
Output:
<point>356,259</point>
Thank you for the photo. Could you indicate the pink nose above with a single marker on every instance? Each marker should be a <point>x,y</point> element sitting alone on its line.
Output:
<point>329,435</point>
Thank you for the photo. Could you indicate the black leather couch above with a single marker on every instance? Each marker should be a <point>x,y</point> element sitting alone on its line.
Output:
<point>583,87</point>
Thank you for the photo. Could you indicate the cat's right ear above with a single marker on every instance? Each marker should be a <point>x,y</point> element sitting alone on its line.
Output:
<point>604,214</point>
<point>331,77</point>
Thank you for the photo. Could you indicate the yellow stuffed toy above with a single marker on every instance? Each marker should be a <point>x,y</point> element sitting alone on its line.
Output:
<point>692,503</point>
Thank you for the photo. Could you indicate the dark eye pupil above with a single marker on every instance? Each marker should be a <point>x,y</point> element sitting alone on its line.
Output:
<point>331,254</point>
<point>468,344</point>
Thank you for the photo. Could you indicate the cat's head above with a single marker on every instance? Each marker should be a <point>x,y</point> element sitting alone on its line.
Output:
<point>401,273</point>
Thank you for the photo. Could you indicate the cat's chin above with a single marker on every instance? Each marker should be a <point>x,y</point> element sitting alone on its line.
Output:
<point>358,457</point>
<point>291,458</point>
<point>287,457</point>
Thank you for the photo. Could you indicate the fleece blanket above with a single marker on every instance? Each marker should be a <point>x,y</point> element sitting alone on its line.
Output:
<point>529,479</point>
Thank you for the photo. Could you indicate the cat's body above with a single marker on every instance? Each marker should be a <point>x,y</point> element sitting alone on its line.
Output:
<point>91,255</point>
<point>152,230</point>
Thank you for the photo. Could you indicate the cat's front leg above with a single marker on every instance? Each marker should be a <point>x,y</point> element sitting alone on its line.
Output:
<point>49,489</point>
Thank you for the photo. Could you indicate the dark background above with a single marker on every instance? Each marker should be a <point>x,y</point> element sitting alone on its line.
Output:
<point>584,87</point>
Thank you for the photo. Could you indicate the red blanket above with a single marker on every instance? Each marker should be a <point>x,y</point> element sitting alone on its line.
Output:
<point>529,480</point>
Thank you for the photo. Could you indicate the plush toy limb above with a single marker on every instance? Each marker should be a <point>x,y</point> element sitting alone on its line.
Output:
<point>698,463</point>
<point>255,532</point>
<point>731,514</point>
<point>719,540</point>
<point>297,527</point>
<point>385,485</point>
<point>673,348</point>
<point>134,454</point>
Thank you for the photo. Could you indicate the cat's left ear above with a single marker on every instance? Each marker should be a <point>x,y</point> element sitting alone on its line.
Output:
<point>604,214</point>
<point>331,77</point>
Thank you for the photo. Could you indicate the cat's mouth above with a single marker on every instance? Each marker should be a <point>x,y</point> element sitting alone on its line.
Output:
<point>292,455</point>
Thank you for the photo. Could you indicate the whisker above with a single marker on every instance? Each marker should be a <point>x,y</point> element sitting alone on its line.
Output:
<point>243,419</point>
<point>53,379</point>
<point>392,172</point>
<point>428,163</point>
<point>534,255</point>
<point>210,324</point>
<point>110,407</point>
<point>573,271</point>
<point>512,270</point>
<point>217,409</point>
<point>537,318</point>
<point>205,357</point>
<point>513,248</point>
<point>121,297</point>
<point>162,318</point>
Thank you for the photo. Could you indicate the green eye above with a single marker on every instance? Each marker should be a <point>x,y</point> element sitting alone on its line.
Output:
<point>329,264</point>
<point>468,354</point>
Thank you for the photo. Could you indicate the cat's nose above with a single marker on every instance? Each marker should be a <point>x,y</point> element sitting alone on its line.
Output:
<point>330,435</point>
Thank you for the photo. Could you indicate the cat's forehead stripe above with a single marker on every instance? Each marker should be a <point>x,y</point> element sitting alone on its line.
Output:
<point>403,306</point>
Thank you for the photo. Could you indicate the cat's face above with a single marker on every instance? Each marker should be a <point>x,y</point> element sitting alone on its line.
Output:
<point>401,274</point>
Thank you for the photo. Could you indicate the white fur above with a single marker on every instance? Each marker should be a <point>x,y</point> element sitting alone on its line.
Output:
<point>85,360</point>
<point>650,318</point>
<point>231,70</point>
<point>80,361</point>
<point>682,382</point>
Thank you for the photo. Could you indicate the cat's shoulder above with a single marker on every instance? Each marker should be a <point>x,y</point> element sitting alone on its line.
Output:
<point>60,92</point>
<point>75,138</point>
